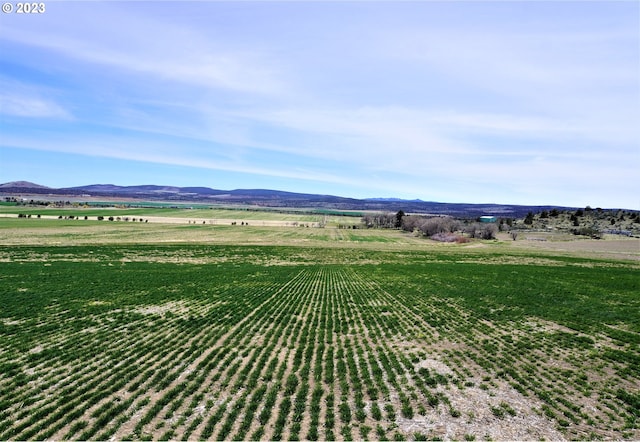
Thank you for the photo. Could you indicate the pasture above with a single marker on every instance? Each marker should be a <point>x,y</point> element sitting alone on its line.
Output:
<point>173,331</point>
<point>209,215</point>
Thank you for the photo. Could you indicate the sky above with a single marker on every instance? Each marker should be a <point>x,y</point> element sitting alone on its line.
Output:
<point>513,102</point>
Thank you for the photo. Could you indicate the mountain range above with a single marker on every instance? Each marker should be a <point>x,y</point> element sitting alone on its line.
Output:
<point>268,198</point>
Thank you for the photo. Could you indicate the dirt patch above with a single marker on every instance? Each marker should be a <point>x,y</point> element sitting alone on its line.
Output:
<point>177,307</point>
<point>435,364</point>
<point>483,414</point>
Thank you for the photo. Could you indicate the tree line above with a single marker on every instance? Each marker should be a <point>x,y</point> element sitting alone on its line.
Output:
<point>440,228</point>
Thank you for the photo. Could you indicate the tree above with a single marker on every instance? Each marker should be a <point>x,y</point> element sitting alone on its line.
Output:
<point>399,217</point>
<point>574,219</point>
<point>471,229</point>
<point>529,218</point>
<point>482,230</point>
<point>379,220</point>
<point>411,222</point>
<point>488,231</point>
<point>443,224</point>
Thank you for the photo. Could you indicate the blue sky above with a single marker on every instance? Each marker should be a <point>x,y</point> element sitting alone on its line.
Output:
<point>458,101</point>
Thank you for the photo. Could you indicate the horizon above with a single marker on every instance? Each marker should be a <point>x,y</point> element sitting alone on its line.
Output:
<point>381,198</point>
<point>532,103</point>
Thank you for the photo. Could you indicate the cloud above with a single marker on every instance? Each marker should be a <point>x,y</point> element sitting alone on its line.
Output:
<point>30,107</point>
<point>162,152</point>
<point>374,132</point>
<point>155,48</point>
<point>571,66</point>
<point>384,98</point>
<point>20,99</point>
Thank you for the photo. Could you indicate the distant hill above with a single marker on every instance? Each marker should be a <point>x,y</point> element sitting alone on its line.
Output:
<point>112,188</point>
<point>392,200</point>
<point>270,198</point>
<point>22,185</point>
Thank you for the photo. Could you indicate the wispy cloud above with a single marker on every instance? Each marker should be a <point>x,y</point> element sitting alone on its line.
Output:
<point>155,48</point>
<point>376,132</point>
<point>31,107</point>
<point>23,100</point>
<point>159,152</point>
<point>420,99</point>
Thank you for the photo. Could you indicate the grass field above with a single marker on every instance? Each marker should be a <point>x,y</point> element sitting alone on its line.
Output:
<point>173,331</point>
<point>200,214</point>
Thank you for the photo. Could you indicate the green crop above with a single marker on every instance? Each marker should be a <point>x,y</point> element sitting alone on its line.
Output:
<point>287,343</point>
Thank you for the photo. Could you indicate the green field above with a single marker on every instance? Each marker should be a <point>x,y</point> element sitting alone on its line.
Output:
<point>140,331</point>
<point>197,212</point>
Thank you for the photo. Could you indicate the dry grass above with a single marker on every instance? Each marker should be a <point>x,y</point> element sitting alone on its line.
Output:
<point>610,247</point>
<point>165,230</point>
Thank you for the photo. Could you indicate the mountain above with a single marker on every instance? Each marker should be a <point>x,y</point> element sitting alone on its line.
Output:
<point>22,185</point>
<point>392,200</point>
<point>112,188</point>
<point>269,198</point>
<point>198,192</point>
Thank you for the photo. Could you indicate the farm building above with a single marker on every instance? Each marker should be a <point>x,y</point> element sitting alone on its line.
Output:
<point>488,219</point>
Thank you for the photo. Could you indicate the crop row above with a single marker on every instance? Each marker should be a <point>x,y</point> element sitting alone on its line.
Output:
<point>106,348</point>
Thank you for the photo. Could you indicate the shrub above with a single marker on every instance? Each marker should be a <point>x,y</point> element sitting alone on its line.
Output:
<point>482,230</point>
<point>445,237</point>
<point>587,231</point>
